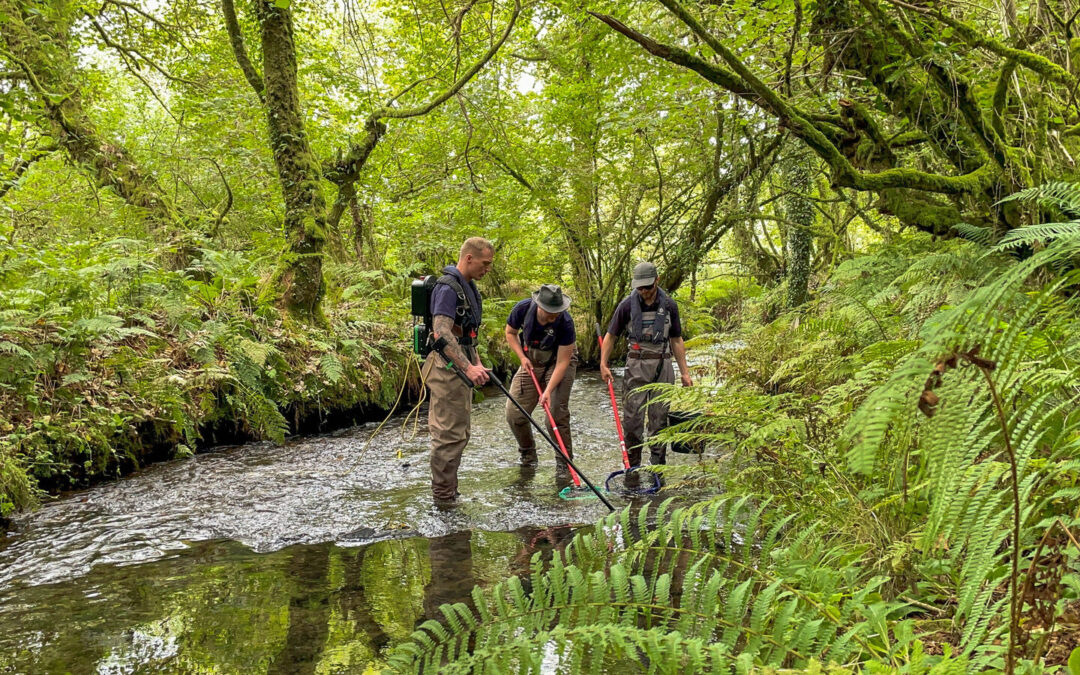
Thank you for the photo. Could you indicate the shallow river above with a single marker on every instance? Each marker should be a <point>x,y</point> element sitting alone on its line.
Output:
<point>316,556</point>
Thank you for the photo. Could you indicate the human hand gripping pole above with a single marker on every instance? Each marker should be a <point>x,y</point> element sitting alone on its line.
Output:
<point>655,487</point>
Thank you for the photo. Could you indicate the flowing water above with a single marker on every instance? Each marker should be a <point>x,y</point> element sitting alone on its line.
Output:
<point>315,556</point>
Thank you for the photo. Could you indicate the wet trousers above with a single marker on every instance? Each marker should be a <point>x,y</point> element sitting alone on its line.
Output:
<point>449,410</point>
<point>523,389</point>
<point>638,408</point>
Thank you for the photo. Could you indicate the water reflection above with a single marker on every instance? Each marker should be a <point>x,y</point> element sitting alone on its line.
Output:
<point>308,611</point>
<point>452,578</point>
<point>220,606</point>
<point>316,556</point>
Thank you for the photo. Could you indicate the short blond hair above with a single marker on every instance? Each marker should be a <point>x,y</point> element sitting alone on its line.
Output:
<point>477,246</point>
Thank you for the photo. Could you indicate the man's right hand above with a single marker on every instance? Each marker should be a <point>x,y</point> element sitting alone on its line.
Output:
<point>477,374</point>
<point>525,362</point>
<point>605,373</point>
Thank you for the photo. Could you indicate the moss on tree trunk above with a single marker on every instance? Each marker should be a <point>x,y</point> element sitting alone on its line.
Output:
<point>298,283</point>
<point>799,240</point>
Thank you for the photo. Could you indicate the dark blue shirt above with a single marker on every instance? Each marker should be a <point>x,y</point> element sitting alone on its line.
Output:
<point>563,326</point>
<point>444,299</point>
<point>621,319</point>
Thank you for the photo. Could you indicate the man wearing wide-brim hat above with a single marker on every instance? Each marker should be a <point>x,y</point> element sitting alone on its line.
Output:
<point>541,332</point>
<point>653,334</point>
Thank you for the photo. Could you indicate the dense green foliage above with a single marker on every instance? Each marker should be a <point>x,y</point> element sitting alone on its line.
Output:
<point>210,213</point>
<point>107,360</point>
<point>842,476</point>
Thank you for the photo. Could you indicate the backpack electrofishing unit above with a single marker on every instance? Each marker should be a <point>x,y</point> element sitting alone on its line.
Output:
<point>420,291</point>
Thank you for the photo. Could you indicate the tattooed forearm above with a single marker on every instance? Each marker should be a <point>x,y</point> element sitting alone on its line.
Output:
<point>443,326</point>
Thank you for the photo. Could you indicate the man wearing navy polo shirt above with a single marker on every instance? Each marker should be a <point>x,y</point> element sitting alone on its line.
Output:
<point>654,334</point>
<point>541,333</point>
<point>457,310</point>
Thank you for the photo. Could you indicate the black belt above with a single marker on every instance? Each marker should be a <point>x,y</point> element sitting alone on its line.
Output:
<point>648,356</point>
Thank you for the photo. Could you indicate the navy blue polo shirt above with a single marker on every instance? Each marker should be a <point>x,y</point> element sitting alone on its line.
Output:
<point>563,326</point>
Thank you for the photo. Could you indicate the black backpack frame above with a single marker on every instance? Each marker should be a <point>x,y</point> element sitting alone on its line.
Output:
<point>423,320</point>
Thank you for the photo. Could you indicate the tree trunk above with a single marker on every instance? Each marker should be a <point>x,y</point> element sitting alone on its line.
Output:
<point>38,42</point>
<point>299,282</point>
<point>799,212</point>
<point>363,218</point>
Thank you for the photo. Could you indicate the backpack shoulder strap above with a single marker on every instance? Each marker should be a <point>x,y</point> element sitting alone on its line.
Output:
<point>449,280</point>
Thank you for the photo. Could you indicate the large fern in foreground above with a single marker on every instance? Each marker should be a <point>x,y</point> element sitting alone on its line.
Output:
<point>996,375</point>
<point>717,585</point>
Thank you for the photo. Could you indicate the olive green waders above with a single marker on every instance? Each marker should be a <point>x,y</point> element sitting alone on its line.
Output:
<point>639,405</point>
<point>449,411</point>
<point>523,389</point>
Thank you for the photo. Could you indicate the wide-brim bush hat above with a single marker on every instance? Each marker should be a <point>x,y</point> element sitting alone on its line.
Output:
<point>551,298</point>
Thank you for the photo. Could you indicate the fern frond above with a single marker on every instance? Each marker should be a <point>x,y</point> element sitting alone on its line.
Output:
<point>694,572</point>
<point>984,236</point>
<point>1039,233</point>
<point>1059,195</point>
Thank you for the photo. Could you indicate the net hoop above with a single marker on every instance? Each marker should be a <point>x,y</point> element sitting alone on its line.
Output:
<point>648,488</point>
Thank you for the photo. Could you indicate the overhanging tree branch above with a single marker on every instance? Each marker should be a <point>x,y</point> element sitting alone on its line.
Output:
<point>742,82</point>
<point>947,82</point>
<point>1035,62</point>
<point>347,169</point>
<point>236,40</point>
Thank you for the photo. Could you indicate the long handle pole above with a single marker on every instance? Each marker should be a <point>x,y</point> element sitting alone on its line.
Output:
<point>554,427</point>
<point>540,430</point>
<point>615,408</point>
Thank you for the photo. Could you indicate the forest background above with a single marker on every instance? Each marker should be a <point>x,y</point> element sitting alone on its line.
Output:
<point>211,213</point>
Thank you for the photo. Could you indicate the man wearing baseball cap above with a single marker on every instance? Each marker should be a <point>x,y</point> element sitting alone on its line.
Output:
<point>654,335</point>
<point>541,333</point>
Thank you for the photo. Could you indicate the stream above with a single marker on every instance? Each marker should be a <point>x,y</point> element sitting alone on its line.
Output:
<point>316,556</point>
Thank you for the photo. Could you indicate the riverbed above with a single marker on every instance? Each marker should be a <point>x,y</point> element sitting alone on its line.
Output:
<point>315,556</point>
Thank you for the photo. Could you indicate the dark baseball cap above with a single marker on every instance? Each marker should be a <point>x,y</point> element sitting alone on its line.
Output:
<point>644,275</point>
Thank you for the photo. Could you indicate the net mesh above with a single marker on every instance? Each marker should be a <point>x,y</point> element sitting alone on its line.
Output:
<point>573,492</point>
<point>633,481</point>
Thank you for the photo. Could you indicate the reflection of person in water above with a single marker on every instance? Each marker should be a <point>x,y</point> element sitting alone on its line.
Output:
<point>452,578</point>
<point>546,540</point>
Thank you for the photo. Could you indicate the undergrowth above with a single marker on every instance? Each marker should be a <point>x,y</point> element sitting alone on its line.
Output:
<point>901,463</point>
<point>109,358</point>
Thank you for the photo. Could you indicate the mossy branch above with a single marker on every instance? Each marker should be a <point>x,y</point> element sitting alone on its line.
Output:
<point>1001,97</point>
<point>236,40</point>
<point>1034,62</point>
<point>950,86</point>
<point>741,82</point>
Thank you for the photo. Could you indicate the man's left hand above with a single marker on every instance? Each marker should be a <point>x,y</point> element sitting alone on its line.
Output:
<point>686,382</point>
<point>545,399</point>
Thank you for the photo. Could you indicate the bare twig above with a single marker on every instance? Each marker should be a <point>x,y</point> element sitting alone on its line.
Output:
<point>228,198</point>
